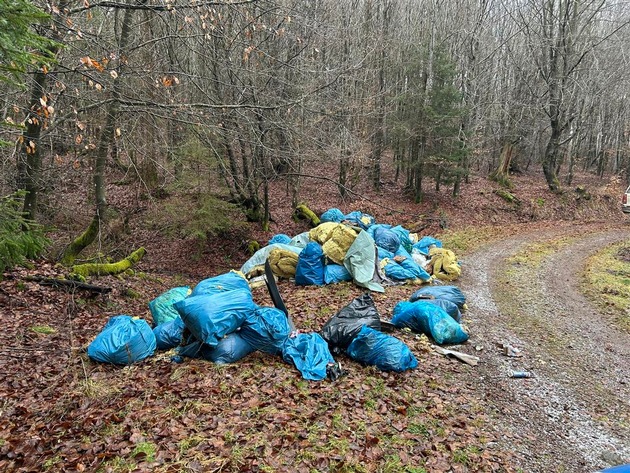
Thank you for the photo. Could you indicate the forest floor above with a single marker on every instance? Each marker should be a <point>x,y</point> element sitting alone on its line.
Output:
<point>523,277</point>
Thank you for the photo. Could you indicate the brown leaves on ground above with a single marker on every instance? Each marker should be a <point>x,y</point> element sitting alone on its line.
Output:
<point>63,412</point>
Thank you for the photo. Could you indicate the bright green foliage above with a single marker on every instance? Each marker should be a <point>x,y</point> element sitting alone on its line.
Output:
<point>20,239</point>
<point>20,46</point>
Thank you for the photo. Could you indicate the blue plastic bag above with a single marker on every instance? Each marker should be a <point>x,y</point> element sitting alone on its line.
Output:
<point>210,317</point>
<point>280,238</point>
<point>449,307</point>
<point>404,237</point>
<point>309,353</point>
<point>310,266</point>
<point>332,215</point>
<point>335,273</point>
<point>222,283</point>
<point>450,293</point>
<point>169,334</point>
<point>386,239</point>
<point>387,353</point>
<point>427,318</point>
<point>161,307</point>
<point>364,221</point>
<point>230,349</point>
<point>124,340</point>
<point>425,242</point>
<point>410,265</point>
<point>266,329</point>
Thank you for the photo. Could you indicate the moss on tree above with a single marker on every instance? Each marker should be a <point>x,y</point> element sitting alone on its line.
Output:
<point>103,269</point>
<point>303,212</point>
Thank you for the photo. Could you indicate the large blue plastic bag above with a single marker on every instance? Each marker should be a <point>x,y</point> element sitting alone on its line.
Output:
<point>210,317</point>
<point>123,341</point>
<point>427,318</point>
<point>332,215</point>
<point>310,266</point>
<point>169,334</point>
<point>450,293</point>
<point>405,237</point>
<point>335,273</point>
<point>222,283</point>
<point>230,349</point>
<point>309,353</point>
<point>280,238</point>
<point>356,217</point>
<point>387,353</point>
<point>386,239</point>
<point>449,307</point>
<point>266,329</point>
<point>161,307</point>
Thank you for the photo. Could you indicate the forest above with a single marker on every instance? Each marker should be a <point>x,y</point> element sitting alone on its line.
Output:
<point>221,99</point>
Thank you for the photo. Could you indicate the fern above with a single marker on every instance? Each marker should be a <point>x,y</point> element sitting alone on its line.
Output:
<point>20,238</point>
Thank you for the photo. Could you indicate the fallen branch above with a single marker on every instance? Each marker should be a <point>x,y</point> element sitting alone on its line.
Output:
<point>68,283</point>
<point>104,269</point>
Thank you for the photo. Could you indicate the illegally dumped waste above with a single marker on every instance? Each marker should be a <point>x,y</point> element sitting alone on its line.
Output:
<point>429,319</point>
<point>387,353</point>
<point>346,324</point>
<point>124,340</point>
<point>161,307</point>
<point>375,255</point>
<point>219,320</point>
<point>310,354</point>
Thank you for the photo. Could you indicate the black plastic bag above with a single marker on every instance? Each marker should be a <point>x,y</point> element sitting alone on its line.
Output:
<point>345,325</point>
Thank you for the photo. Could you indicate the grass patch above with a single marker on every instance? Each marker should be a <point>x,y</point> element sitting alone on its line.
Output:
<point>470,239</point>
<point>535,254</point>
<point>606,282</point>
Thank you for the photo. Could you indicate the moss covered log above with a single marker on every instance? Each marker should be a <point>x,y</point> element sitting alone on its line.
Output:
<point>303,212</point>
<point>80,243</point>
<point>103,269</point>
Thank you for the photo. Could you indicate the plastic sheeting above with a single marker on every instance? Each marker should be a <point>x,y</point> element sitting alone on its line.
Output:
<point>283,263</point>
<point>266,330</point>
<point>424,245</point>
<point>433,321</point>
<point>346,324</point>
<point>210,317</point>
<point>309,353</point>
<point>161,307</point>
<point>310,266</point>
<point>450,293</point>
<point>229,281</point>
<point>124,340</point>
<point>386,239</point>
<point>387,353</point>
<point>360,261</point>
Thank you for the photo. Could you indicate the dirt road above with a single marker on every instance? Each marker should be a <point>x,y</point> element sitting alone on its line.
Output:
<point>573,415</point>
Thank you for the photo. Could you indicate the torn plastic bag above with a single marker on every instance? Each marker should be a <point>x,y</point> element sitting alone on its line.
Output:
<point>387,353</point>
<point>404,235</point>
<point>280,238</point>
<point>301,240</point>
<point>450,293</point>
<point>386,239</point>
<point>360,261</point>
<point>169,334</point>
<point>222,283</point>
<point>124,340</point>
<point>310,266</point>
<point>332,215</point>
<point>230,349</point>
<point>449,307</point>
<point>345,325</point>
<point>427,318</point>
<point>309,353</point>
<point>424,245</point>
<point>161,307</point>
<point>335,273</point>
<point>210,317</point>
<point>266,329</point>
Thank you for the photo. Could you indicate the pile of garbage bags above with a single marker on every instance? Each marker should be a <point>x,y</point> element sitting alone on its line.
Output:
<point>353,247</point>
<point>219,321</point>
